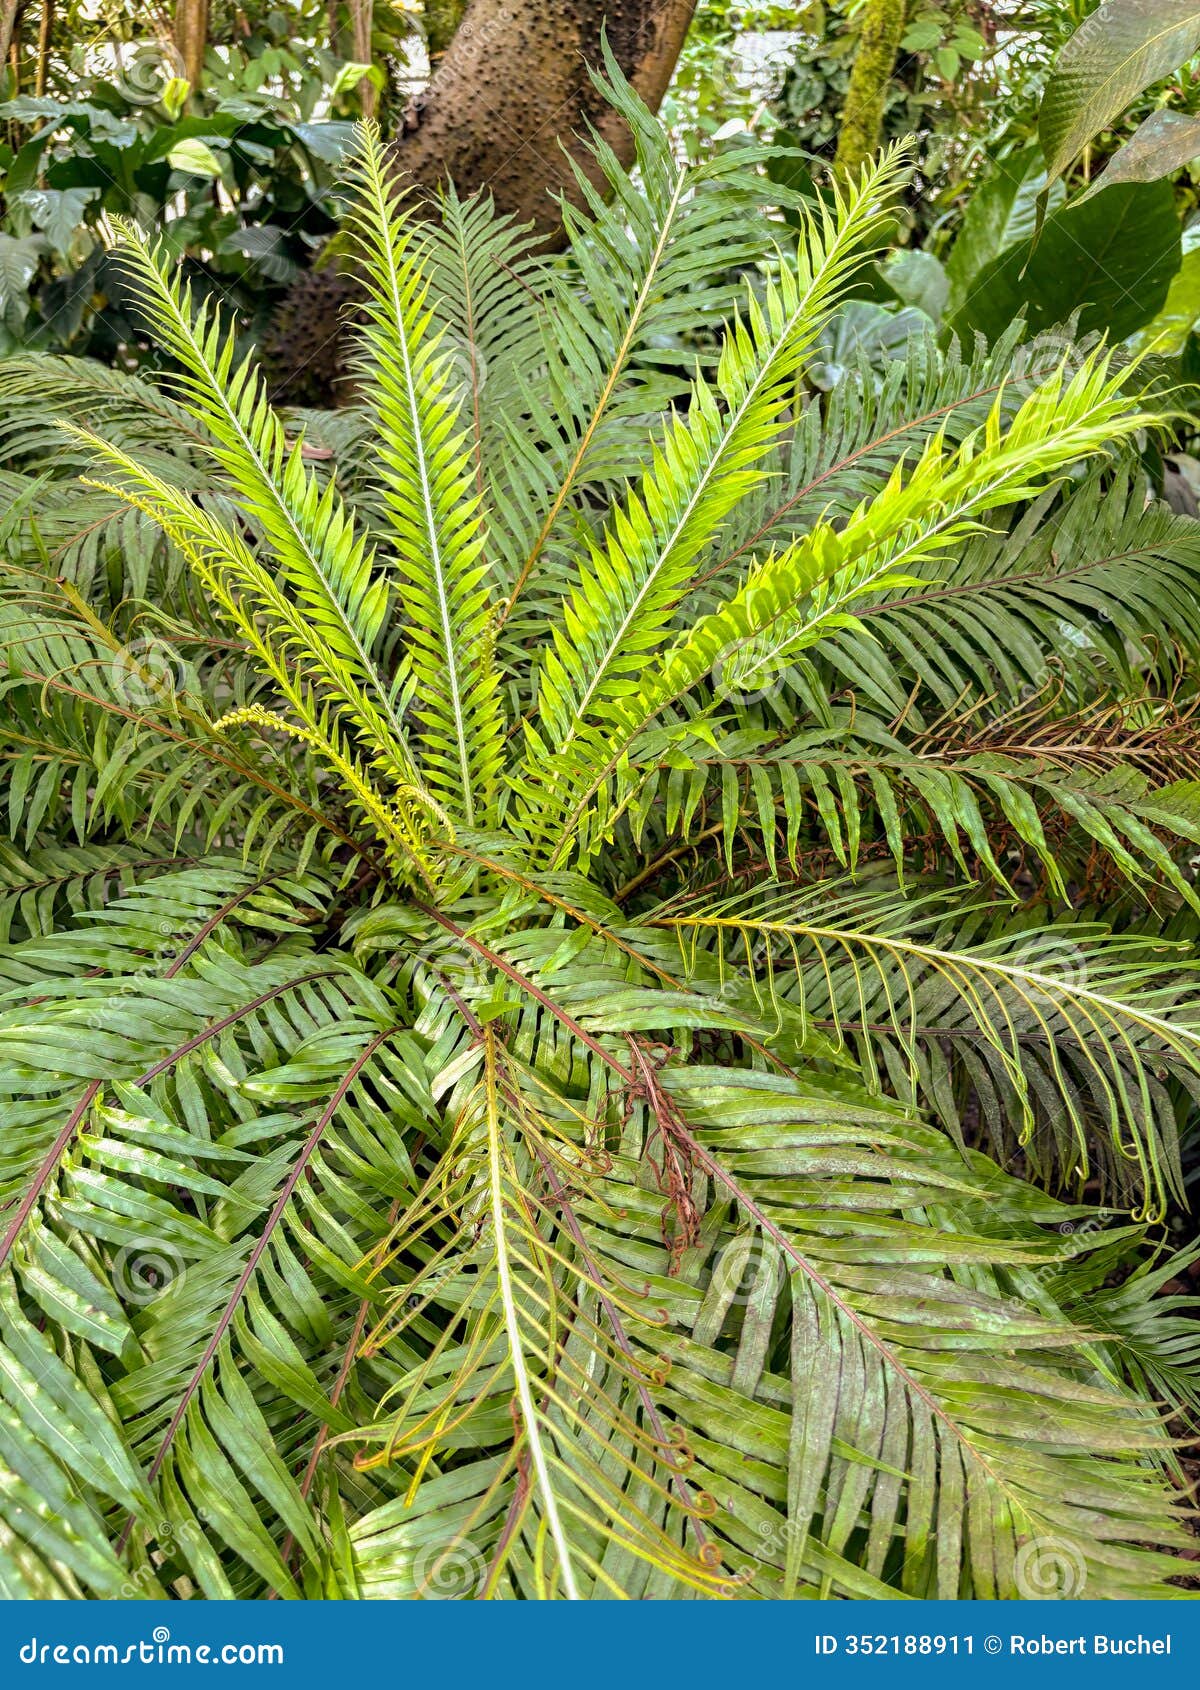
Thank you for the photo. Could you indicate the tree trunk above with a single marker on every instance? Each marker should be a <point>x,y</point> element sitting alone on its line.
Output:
<point>8,22</point>
<point>513,91</point>
<point>45,30</point>
<point>862,114</point>
<point>510,94</point>
<point>362,24</point>
<point>191,37</point>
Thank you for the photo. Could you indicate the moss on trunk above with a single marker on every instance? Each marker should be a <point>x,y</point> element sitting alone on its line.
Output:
<point>862,115</point>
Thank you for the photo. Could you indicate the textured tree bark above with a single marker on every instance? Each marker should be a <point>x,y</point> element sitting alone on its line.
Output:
<point>512,91</point>
<point>862,114</point>
<point>190,29</point>
<point>8,22</point>
<point>45,28</point>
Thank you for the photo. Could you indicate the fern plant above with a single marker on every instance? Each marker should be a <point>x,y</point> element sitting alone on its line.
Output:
<point>597,974</point>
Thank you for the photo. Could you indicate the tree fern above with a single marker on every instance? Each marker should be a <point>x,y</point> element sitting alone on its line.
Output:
<point>557,1042</point>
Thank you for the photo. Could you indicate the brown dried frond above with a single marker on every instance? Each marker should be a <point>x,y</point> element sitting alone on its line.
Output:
<point>1157,736</point>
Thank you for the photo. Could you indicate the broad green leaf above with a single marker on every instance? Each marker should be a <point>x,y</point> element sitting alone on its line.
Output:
<point>917,278</point>
<point>1111,259</point>
<point>1002,213</point>
<point>58,212</point>
<point>1168,330</point>
<point>195,157</point>
<point>1162,145</point>
<point>1123,47</point>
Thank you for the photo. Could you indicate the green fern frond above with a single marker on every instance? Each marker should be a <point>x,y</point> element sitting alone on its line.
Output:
<point>1098,589</point>
<point>857,786</point>
<point>294,657</point>
<point>707,463</point>
<point>792,601</point>
<point>324,563</point>
<point>885,962</point>
<point>650,254</point>
<point>432,502</point>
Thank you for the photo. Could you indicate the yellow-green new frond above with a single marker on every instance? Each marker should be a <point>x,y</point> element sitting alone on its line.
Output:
<point>292,654</point>
<point>709,461</point>
<point>790,601</point>
<point>431,496</point>
<point>323,562</point>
